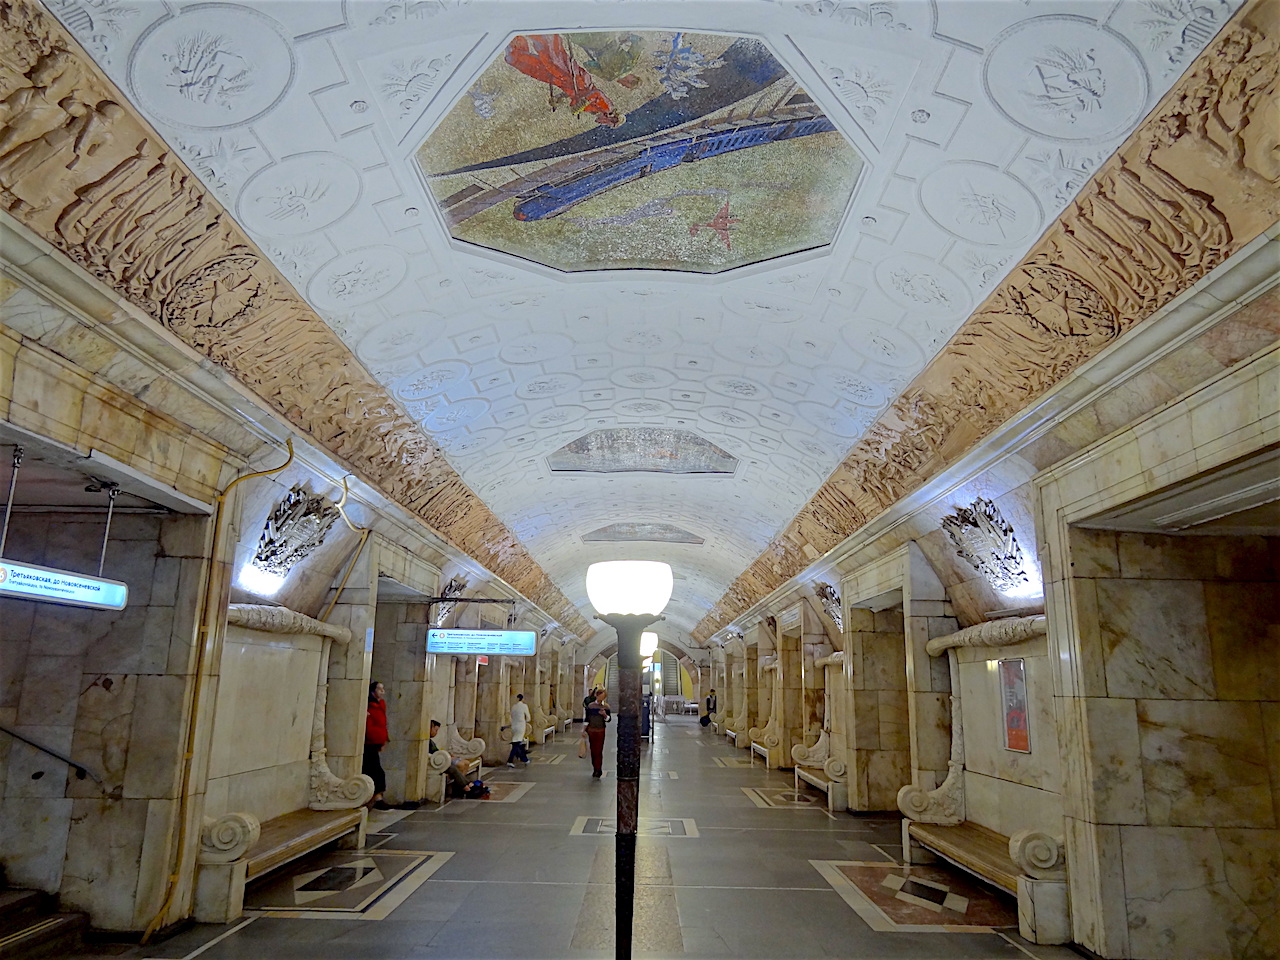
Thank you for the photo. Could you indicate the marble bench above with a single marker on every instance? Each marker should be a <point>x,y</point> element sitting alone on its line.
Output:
<point>761,750</point>
<point>837,791</point>
<point>236,848</point>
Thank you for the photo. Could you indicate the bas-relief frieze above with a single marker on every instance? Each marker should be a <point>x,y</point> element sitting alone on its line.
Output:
<point>1195,183</point>
<point>90,177</point>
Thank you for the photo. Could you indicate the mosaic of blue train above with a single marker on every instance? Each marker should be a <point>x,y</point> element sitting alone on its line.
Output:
<point>640,150</point>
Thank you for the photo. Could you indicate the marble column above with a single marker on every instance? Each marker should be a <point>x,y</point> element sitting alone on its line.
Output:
<point>879,744</point>
<point>464,696</point>
<point>787,717</point>
<point>926,615</point>
<point>491,711</point>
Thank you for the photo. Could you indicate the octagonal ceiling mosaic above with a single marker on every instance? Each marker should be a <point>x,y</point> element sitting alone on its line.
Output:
<point>640,149</point>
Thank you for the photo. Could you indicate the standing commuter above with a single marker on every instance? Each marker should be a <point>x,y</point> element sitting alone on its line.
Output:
<point>520,718</point>
<point>598,714</point>
<point>375,738</point>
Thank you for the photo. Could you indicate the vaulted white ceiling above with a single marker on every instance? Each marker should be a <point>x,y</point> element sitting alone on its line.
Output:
<point>977,122</point>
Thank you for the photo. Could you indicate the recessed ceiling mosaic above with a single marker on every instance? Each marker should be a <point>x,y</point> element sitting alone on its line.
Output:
<point>643,149</point>
<point>641,450</point>
<point>641,532</point>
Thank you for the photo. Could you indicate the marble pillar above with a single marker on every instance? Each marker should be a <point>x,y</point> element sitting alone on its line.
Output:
<point>464,696</point>
<point>491,710</point>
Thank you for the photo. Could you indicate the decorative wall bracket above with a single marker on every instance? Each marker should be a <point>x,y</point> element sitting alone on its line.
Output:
<point>985,538</point>
<point>296,526</point>
<point>227,838</point>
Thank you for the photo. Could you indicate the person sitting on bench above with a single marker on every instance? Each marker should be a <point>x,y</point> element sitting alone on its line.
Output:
<point>454,773</point>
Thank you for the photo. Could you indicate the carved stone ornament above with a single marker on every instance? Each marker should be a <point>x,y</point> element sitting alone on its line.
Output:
<point>985,538</point>
<point>227,838</point>
<point>255,616</point>
<point>829,597</point>
<point>453,588</point>
<point>461,747</point>
<point>770,735</point>
<point>814,756</point>
<point>297,525</point>
<point>331,792</point>
<point>1039,855</point>
<point>944,805</point>
<point>993,633</point>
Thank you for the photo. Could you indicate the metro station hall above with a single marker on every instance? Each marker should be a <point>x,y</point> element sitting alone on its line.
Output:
<point>671,479</point>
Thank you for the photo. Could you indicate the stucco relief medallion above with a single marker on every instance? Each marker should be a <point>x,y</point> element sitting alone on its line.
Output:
<point>845,420</point>
<point>466,443</point>
<point>449,416</point>
<point>729,417</point>
<point>765,309</point>
<point>1066,78</point>
<point>399,337</point>
<point>559,417</point>
<point>535,348</point>
<point>750,352</point>
<point>644,340</point>
<point>737,388</point>
<point>976,202</point>
<point>859,390</point>
<point>548,385</point>
<point>299,195</point>
<point>432,380</point>
<point>213,66</point>
<point>643,378</point>
<point>882,343</point>
<point>927,288</point>
<point>226,292</point>
<point>646,407</point>
<point>356,278</point>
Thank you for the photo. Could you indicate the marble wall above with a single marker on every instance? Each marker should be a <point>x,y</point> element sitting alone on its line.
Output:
<point>1187,633</point>
<point>108,689</point>
<point>1164,649</point>
<point>1007,790</point>
<point>879,743</point>
<point>267,682</point>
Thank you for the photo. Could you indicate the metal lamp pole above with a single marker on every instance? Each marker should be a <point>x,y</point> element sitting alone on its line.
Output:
<point>629,628</point>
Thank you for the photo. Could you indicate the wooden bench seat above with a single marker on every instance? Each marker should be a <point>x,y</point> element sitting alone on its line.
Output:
<point>294,834</point>
<point>972,847</point>
<point>762,750</point>
<point>732,735</point>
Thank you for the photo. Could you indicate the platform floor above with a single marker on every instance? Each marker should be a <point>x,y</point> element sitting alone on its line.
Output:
<point>732,863</point>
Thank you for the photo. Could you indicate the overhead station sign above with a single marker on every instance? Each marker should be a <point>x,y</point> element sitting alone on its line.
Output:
<point>30,582</point>
<point>507,643</point>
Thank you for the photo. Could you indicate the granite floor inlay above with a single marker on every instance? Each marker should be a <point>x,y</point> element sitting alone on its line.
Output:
<point>531,876</point>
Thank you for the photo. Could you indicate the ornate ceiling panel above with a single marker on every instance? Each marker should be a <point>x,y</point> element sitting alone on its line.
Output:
<point>964,128</point>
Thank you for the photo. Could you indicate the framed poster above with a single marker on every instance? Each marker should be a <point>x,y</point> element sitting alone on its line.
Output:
<point>1013,698</point>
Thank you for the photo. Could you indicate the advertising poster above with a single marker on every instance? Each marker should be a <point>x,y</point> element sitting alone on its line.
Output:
<point>1013,696</point>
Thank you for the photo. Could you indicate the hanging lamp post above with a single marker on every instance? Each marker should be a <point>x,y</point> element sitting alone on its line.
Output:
<point>628,595</point>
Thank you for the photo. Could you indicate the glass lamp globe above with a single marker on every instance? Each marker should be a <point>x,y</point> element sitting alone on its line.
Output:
<point>648,643</point>
<point>629,586</point>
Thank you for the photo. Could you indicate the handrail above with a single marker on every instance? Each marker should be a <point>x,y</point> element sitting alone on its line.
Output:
<point>81,770</point>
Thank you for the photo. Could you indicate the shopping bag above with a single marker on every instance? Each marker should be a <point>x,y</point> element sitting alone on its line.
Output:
<point>582,746</point>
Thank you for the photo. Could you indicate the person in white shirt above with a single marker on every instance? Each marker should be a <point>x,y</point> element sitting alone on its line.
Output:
<point>520,718</point>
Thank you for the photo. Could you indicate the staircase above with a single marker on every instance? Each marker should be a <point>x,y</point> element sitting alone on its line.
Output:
<point>31,926</point>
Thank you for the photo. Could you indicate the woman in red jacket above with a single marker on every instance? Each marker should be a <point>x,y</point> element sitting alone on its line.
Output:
<point>375,738</point>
